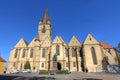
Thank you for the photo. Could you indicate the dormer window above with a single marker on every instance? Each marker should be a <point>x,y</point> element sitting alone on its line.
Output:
<point>90,39</point>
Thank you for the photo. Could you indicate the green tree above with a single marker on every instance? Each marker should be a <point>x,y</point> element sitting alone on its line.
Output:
<point>27,65</point>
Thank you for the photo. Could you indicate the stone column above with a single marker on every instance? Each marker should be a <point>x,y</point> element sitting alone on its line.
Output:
<point>70,65</point>
<point>68,58</point>
<point>79,59</point>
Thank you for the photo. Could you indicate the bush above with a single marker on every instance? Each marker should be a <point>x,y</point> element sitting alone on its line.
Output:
<point>62,72</point>
<point>43,72</point>
<point>53,72</point>
<point>27,65</point>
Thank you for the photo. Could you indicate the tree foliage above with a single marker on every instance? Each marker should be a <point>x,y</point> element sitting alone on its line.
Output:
<point>27,65</point>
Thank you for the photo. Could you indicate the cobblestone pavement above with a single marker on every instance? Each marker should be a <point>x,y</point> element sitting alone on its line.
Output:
<point>72,76</point>
<point>87,76</point>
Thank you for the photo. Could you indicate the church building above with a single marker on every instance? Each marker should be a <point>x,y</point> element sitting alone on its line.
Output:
<point>42,52</point>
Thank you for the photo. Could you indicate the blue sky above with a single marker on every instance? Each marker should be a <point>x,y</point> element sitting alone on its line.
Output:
<point>19,19</point>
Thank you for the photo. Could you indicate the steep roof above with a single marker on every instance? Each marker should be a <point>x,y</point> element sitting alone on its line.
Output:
<point>46,16</point>
<point>58,40</point>
<point>21,43</point>
<point>105,45</point>
<point>74,42</point>
<point>2,60</point>
<point>90,40</point>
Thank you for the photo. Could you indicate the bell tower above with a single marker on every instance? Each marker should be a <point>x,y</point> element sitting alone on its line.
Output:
<point>44,27</point>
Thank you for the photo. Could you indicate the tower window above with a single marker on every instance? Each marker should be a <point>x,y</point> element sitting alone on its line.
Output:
<point>43,30</point>
<point>94,55</point>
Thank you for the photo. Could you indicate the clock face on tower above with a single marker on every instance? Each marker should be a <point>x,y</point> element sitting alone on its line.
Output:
<point>43,30</point>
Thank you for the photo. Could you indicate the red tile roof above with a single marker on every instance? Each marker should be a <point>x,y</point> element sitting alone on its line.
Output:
<point>2,60</point>
<point>105,45</point>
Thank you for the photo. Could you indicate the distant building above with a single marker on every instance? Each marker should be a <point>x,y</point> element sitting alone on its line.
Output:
<point>2,65</point>
<point>41,52</point>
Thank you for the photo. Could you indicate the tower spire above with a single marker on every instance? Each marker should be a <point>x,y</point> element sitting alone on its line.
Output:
<point>46,17</point>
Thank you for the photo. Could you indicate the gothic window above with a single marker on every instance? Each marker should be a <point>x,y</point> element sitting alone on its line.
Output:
<point>66,64</point>
<point>21,66</point>
<point>42,65</point>
<point>31,53</point>
<point>58,50</point>
<point>14,64</point>
<point>16,53</point>
<point>81,53</point>
<point>23,54</point>
<point>66,52</point>
<point>94,55</point>
<point>74,64</point>
<point>43,53</point>
<point>73,52</point>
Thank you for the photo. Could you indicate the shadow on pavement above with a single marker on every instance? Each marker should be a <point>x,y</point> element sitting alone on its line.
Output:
<point>2,77</point>
<point>34,78</point>
<point>6,77</point>
<point>88,79</point>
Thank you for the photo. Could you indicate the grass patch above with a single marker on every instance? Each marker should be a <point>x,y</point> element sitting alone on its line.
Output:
<point>62,72</point>
<point>44,72</point>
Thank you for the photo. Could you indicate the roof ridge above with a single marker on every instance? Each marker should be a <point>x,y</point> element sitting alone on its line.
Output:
<point>2,60</point>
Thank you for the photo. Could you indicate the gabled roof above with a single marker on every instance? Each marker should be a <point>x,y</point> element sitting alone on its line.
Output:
<point>62,39</point>
<point>31,44</point>
<point>74,42</point>
<point>21,43</point>
<point>90,40</point>
<point>46,42</point>
<point>105,45</point>
<point>2,60</point>
<point>58,40</point>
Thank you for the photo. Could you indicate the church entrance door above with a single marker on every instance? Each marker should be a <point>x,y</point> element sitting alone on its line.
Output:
<point>58,65</point>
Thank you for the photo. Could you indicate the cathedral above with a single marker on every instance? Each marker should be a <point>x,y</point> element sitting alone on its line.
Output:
<point>73,56</point>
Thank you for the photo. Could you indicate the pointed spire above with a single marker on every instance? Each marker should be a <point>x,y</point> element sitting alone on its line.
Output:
<point>46,17</point>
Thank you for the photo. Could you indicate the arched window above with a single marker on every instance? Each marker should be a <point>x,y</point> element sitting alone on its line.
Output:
<point>43,53</point>
<point>21,66</point>
<point>31,53</point>
<point>66,52</point>
<point>14,64</point>
<point>66,64</point>
<point>23,54</point>
<point>81,53</point>
<point>42,65</point>
<point>58,50</point>
<point>16,52</point>
<point>73,52</point>
<point>74,64</point>
<point>94,55</point>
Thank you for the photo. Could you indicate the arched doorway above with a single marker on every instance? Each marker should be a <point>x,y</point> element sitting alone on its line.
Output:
<point>59,66</point>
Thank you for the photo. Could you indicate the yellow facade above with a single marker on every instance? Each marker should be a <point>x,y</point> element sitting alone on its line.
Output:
<point>2,67</point>
<point>73,56</point>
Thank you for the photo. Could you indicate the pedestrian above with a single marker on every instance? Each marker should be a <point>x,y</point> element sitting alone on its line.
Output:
<point>86,70</point>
